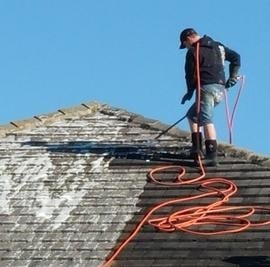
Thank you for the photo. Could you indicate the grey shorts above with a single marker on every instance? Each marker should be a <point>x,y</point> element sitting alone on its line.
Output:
<point>211,95</point>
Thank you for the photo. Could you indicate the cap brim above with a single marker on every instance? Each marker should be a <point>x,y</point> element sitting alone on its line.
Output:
<point>182,46</point>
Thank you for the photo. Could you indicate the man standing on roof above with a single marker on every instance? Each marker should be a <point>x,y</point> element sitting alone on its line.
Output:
<point>212,82</point>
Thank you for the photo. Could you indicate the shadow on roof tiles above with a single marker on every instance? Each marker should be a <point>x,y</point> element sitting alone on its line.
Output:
<point>143,152</point>
<point>249,261</point>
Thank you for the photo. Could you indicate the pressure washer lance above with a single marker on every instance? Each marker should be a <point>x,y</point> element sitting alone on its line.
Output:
<point>168,129</point>
<point>223,154</point>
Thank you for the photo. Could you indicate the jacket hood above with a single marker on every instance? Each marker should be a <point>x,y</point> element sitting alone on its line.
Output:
<point>206,41</point>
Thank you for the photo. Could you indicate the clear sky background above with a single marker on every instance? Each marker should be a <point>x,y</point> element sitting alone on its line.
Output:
<point>60,53</point>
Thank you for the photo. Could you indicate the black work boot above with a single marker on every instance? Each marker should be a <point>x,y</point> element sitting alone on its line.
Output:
<point>211,152</point>
<point>196,149</point>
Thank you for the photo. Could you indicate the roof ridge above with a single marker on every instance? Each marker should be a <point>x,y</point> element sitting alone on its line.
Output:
<point>246,154</point>
<point>37,120</point>
<point>86,109</point>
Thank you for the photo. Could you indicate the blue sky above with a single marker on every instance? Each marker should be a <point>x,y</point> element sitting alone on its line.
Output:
<point>60,53</point>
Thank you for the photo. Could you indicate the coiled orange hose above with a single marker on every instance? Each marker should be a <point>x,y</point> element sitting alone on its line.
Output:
<point>216,213</point>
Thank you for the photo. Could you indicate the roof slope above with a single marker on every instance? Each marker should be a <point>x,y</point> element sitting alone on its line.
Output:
<point>74,184</point>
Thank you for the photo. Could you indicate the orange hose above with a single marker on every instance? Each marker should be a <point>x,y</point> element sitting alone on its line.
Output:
<point>229,117</point>
<point>186,220</point>
<point>214,213</point>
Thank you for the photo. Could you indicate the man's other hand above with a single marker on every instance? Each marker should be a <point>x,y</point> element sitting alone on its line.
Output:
<point>231,82</point>
<point>186,97</point>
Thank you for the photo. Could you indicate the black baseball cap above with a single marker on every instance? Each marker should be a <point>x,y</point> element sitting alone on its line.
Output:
<point>183,36</point>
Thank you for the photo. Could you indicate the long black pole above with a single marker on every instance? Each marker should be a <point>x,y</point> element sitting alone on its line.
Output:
<point>168,129</point>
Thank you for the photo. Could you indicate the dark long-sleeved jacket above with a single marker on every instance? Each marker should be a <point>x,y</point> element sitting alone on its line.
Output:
<point>212,58</point>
